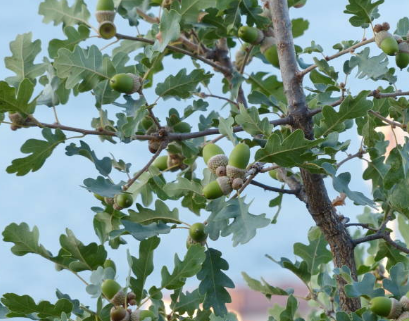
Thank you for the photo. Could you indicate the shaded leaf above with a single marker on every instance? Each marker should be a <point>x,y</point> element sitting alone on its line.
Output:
<point>102,186</point>
<point>160,213</point>
<point>60,12</point>
<point>263,287</point>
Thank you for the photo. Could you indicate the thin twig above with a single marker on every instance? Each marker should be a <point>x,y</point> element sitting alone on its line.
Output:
<point>358,154</point>
<point>204,95</point>
<point>386,120</point>
<point>274,189</point>
<point>363,225</point>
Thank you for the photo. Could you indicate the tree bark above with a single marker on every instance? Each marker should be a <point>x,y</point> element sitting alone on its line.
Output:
<point>318,203</point>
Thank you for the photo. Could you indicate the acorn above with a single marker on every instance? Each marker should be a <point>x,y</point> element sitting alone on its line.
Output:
<point>140,315</point>
<point>215,189</point>
<point>107,30</point>
<point>109,263</point>
<point>386,307</point>
<point>119,313</point>
<point>402,57</point>
<point>105,11</point>
<point>182,127</point>
<point>214,157</point>
<point>404,301</point>
<point>154,145</point>
<point>175,162</point>
<point>269,49</point>
<point>250,35</point>
<point>126,83</point>
<point>147,122</point>
<point>161,162</point>
<point>237,183</point>
<point>238,161</point>
<point>387,42</point>
<point>124,200</point>
<point>273,174</point>
<point>197,232</point>
<point>119,298</point>
<point>110,288</point>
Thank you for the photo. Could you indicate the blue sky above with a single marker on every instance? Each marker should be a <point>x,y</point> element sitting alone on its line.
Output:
<point>53,200</point>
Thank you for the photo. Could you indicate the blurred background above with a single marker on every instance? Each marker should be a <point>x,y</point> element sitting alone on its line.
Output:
<point>53,199</point>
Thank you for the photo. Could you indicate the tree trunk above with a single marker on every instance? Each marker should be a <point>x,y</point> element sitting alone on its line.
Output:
<point>318,203</point>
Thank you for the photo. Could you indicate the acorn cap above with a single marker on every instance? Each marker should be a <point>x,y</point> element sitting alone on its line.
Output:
<point>234,172</point>
<point>139,315</point>
<point>250,35</point>
<point>215,189</point>
<point>210,150</point>
<point>267,43</point>
<point>161,162</point>
<point>105,5</point>
<point>105,15</point>
<point>107,30</point>
<point>217,161</point>
<point>119,298</point>
<point>380,36</point>
<point>404,47</point>
<point>396,309</point>
<point>237,183</point>
<point>240,156</point>
<point>221,171</point>
<point>404,301</point>
<point>404,316</point>
<point>119,313</point>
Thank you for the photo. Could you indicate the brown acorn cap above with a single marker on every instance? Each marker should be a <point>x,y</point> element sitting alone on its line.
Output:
<point>119,298</point>
<point>404,47</point>
<point>395,310</point>
<point>225,184</point>
<point>221,171</point>
<point>137,83</point>
<point>154,145</point>
<point>105,15</point>
<point>237,183</point>
<point>216,161</point>
<point>386,26</point>
<point>109,200</point>
<point>234,172</point>
<point>267,43</point>
<point>377,28</point>
<point>380,36</point>
<point>127,316</point>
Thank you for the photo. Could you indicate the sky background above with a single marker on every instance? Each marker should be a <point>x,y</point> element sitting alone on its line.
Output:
<point>53,200</point>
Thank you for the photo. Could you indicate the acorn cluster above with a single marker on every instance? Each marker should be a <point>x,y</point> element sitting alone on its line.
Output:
<point>119,201</point>
<point>230,171</point>
<point>120,311</point>
<point>392,45</point>
<point>390,307</point>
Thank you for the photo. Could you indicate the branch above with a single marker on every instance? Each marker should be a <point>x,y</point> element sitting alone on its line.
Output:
<point>358,154</point>
<point>274,189</point>
<point>176,49</point>
<point>394,124</point>
<point>338,54</point>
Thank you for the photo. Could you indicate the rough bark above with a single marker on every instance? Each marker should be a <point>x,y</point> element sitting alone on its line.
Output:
<point>318,203</point>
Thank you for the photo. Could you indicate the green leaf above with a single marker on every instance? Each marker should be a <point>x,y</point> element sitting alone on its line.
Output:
<point>84,67</point>
<point>214,281</point>
<point>189,10</point>
<point>289,313</point>
<point>363,12</point>
<point>350,108</point>
<point>340,184</point>
<point>160,213</point>
<point>315,253</point>
<point>39,151</point>
<point>22,61</point>
<point>402,27</point>
<point>60,12</point>
<point>190,266</point>
<point>226,128</point>
<point>17,101</point>
<point>24,305</point>
<point>102,186</point>
<point>253,11</point>
<point>397,283</point>
<point>300,269</point>
<point>364,288</point>
<point>169,28</point>
<point>142,232</point>
<point>242,225</point>
<point>250,121</point>
<point>263,287</point>
<point>75,303</point>
<point>187,303</point>
<point>287,152</point>
<point>230,316</point>
<point>370,67</point>
<point>181,85</point>
<point>87,257</point>
<point>104,166</point>
<point>143,266</point>
<point>74,38</point>
<point>181,187</point>
<point>25,241</point>
<point>299,26</point>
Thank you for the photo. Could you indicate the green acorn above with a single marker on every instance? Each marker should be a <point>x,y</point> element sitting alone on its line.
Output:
<point>105,11</point>
<point>238,161</point>
<point>109,263</point>
<point>197,232</point>
<point>250,35</point>
<point>214,157</point>
<point>404,301</point>
<point>109,288</point>
<point>140,315</point>
<point>119,313</point>
<point>147,122</point>
<point>175,162</point>
<point>273,174</point>
<point>126,83</point>
<point>269,49</point>
<point>182,127</point>
<point>215,189</point>
<point>107,30</point>
<point>124,200</point>
<point>386,307</point>
<point>402,57</point>
<point>387,42</point>
<point>161,162</point>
